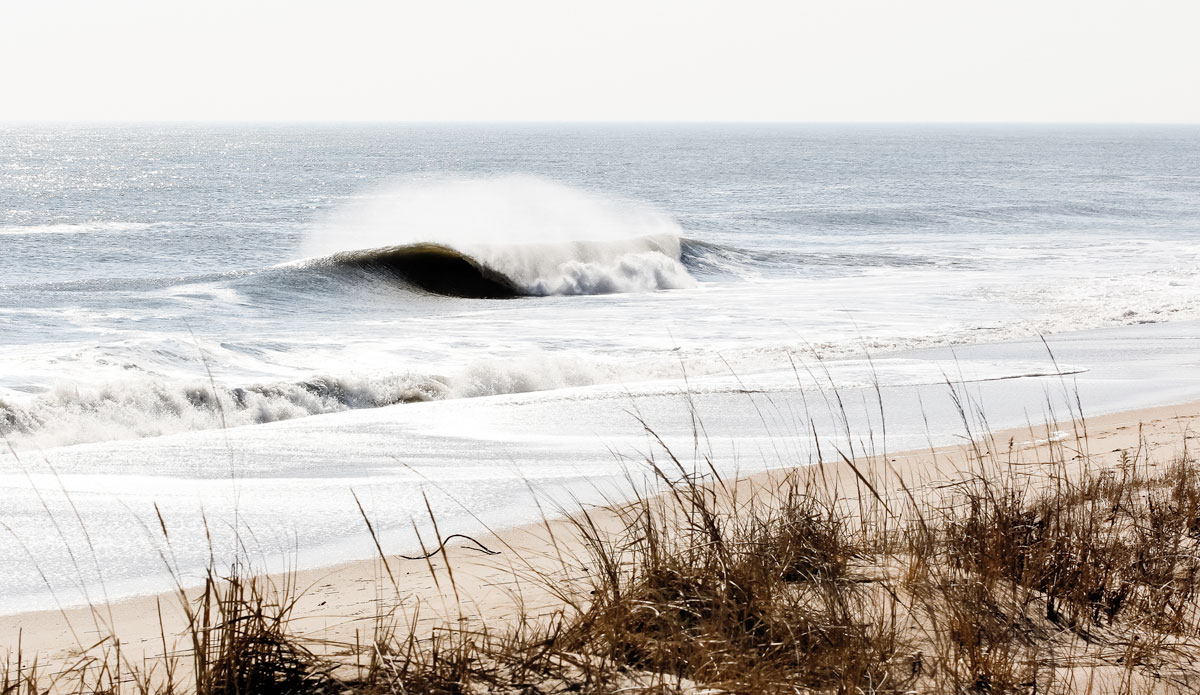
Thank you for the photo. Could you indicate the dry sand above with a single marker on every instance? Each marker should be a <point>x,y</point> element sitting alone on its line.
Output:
<point>531,572</point>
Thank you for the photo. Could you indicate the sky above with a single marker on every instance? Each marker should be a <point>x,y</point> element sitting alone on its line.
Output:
<point>601,60</point>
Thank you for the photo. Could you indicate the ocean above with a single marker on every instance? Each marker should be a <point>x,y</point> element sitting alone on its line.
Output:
<point>246,321</point>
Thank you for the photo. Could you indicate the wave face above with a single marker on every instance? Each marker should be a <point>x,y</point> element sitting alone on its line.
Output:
<point>525,270</point>
<point>431,267</point>
<point>504,237</point>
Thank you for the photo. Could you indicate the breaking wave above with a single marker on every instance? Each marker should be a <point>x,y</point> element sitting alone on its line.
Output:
<point>431,267</point>
<point>503,237</point>
<point>148,406</point>
<point>520,270</point>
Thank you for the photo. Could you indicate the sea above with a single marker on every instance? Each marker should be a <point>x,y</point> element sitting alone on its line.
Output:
<point>253,327</point>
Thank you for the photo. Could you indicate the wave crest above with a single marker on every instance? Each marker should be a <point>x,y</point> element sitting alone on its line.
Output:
<point>504,237</point>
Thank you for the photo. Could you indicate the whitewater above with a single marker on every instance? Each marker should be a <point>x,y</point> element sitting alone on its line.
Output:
<point>209,320</point>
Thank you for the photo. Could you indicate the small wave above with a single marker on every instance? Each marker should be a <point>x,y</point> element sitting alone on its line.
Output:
<point>707,259</point>
<point>149,406</point>
<point>141,406</point>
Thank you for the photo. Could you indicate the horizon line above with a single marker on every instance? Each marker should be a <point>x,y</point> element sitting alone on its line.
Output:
<point>633,122</point>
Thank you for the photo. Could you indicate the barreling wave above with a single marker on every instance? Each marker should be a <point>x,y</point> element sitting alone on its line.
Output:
<point>494,271</point>
<point>503,236</point>
<point>431,267</point>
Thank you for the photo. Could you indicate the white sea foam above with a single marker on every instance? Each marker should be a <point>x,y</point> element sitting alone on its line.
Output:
<point>140,405</point>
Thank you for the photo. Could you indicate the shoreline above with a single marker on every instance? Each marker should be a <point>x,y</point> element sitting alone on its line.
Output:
<point>567,443</point>
<point>339,604</point>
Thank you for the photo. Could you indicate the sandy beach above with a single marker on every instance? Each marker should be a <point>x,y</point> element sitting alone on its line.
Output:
<point>530,566</point>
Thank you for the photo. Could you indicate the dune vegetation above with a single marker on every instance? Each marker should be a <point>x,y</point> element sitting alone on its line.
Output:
<point>1029,570</point>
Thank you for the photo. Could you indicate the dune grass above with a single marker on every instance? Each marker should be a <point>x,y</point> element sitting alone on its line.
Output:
<point>1056,575</point>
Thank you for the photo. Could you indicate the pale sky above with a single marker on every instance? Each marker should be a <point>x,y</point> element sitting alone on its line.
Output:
<point>601,60</point>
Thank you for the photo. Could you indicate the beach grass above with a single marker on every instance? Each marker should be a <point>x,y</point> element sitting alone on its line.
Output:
<point>1015,574</point>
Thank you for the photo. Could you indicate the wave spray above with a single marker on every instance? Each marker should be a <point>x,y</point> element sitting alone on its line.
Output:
<point>542,237</point>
